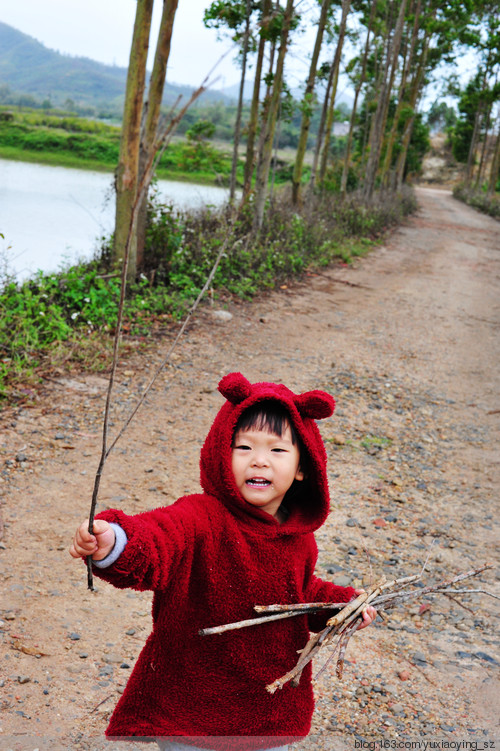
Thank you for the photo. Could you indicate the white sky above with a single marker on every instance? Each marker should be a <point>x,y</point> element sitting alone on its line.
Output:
<point>102,30</point>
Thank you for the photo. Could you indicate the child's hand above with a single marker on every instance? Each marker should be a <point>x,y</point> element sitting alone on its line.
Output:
<point>369,613</point>
<point>98,545</point>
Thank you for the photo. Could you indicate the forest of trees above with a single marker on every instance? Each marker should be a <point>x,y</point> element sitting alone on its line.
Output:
<point>391,50</point>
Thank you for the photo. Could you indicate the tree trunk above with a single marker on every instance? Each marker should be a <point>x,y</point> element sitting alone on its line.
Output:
<point>482,160</point>
<point>307,104</point>
<point>237,127</point>
<point>269,127</point>
<point>402,97</point>
<point>383,106</point>
<point>346,4</point>
<point>254,109</point>
<point>152,114</point>
<point>127,172</point>
<point>347,156</point>
<point>471,158</point>
<point>495,166</point>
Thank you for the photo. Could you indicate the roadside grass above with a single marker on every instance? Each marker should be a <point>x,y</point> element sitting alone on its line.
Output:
<point>61,322</point>
<point>87,144</point>
<point>478,199</point>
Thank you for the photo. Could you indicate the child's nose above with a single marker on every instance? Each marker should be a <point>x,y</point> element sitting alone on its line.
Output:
<point>260,460</point>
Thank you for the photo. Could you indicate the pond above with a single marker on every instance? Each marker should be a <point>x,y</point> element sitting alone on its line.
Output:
<point>51,217</point>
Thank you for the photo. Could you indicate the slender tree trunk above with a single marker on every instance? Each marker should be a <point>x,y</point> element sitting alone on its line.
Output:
<point>402,96</point>
<point>346,4</point>
<point>482,160</point>
<point>347,156</point>
<point>127,172</point>
<point>307,104</point>
<point>495,165</point>
<point>383,106</point>
<point>471,158</point>
<point>269,127</point>
<point>254,109</point>
<point>237,127</point>
<point>152,113</point>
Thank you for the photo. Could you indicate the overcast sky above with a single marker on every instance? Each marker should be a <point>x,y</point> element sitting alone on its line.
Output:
<point>102,30</point>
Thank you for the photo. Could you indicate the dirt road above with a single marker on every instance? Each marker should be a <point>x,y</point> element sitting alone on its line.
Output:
<point>407,341</point>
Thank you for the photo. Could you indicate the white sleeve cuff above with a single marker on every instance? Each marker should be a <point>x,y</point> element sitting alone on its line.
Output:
<point>120,543</point>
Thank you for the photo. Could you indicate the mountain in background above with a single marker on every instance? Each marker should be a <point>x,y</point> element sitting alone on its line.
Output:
<point>28,67</point>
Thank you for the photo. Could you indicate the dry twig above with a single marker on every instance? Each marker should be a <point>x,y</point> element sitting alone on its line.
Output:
<point>349,617</point>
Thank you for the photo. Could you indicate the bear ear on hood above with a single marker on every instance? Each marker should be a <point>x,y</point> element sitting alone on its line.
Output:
<point>235,387</point>
<point>315,404</point>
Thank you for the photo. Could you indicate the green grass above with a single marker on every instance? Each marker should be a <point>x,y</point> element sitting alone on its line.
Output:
<point>87,144</point>
<point>70,317</point>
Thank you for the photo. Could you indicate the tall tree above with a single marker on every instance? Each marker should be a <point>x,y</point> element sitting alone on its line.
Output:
<point>127,173</point>
<point>381,112</point>
<point>357,89</point>
<point>236,16</point>
<point>269,126</point>
<point>307,103</point>
<point>150,126</point>
<point>334,77</point>
<point>254,107</point>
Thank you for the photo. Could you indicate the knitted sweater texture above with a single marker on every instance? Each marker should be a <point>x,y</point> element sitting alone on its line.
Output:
<point>209,558</point>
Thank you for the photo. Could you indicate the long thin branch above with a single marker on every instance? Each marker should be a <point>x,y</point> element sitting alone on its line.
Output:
<point>142,189</point>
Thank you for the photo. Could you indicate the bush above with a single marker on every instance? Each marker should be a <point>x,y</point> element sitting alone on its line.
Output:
<point>80,305</point>
<point>478,200</point>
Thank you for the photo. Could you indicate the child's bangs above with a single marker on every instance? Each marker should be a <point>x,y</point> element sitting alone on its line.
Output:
<point>270,417</point>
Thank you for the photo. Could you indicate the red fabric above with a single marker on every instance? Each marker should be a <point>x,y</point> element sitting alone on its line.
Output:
<point>209,558</point>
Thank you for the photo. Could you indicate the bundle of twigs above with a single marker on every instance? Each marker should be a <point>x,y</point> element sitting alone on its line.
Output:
<point>385,595</point>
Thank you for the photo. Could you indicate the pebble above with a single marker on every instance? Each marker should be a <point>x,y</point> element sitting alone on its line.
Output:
<point>222,316</point>
<point>112,659</point>
<point>74,636</point>
<point>23,679</point>
<point>419,658</point>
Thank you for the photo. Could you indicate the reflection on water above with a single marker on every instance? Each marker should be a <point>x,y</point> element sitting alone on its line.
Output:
<point>53,216</point>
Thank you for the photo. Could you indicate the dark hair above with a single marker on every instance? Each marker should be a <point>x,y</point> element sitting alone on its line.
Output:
<point>270,416</point>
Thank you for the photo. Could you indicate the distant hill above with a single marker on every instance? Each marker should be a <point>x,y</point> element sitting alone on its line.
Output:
<point>28,67</point>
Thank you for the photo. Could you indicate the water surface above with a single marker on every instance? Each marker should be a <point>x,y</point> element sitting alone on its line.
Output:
<point>54,216</point>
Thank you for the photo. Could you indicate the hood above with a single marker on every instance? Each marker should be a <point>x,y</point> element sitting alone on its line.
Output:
<point>310,505</point>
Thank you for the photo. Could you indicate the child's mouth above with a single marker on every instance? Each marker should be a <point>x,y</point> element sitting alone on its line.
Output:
<point>257,482</point>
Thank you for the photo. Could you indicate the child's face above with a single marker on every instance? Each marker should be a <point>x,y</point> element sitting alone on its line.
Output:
<point>264,467</point>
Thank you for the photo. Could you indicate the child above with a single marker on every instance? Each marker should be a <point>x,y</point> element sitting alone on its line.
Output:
<point>209,558</point>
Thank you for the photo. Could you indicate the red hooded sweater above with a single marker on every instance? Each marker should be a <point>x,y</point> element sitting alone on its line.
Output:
<point>209,558</point>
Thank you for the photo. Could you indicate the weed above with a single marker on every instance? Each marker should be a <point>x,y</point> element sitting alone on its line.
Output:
<point>69,314</point>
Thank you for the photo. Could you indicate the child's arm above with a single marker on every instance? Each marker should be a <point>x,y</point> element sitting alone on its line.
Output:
<point>155,545</point>
<point>99,545</point>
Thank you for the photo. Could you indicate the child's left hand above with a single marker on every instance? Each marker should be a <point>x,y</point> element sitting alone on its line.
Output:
<point>369,613</point>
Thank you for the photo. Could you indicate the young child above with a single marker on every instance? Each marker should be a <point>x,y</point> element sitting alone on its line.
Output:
<point>209,558</point>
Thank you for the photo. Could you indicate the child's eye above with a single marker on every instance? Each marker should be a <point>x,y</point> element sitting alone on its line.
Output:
<point>242,446</point>
<point>278,449</point>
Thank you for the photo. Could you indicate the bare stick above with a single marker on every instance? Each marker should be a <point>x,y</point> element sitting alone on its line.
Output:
<point>244,624</point>
<point>141,192</point>
<point>343,642</point>
<point>299,607</point>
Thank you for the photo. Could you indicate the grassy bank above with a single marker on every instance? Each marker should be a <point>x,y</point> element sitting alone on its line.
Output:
<point>478,200</point>
<point>55,323</point>
<point>66,141</point>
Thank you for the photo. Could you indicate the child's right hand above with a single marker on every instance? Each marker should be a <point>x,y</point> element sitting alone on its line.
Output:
<point>98,545</point>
